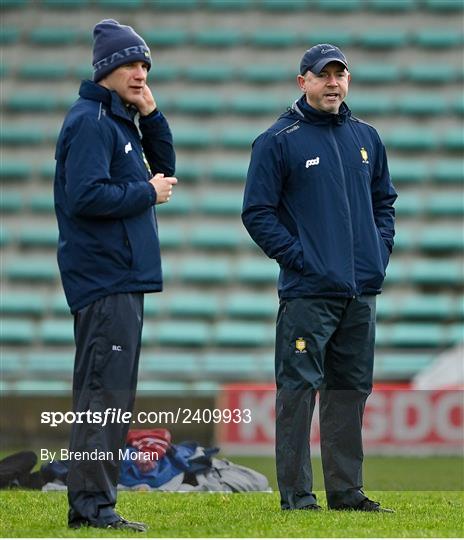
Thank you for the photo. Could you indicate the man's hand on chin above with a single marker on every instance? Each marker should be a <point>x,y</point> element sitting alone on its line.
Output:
<point>145,102</point>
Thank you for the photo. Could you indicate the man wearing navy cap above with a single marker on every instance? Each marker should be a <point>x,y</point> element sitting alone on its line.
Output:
<point>319,200</point>
<point>108,180</point>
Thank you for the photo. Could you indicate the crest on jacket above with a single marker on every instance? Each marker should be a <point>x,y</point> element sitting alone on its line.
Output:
<point>364,155</point>
<point>300,345</point>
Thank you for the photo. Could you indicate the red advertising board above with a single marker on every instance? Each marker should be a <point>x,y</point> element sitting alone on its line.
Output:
<point>397,420</point>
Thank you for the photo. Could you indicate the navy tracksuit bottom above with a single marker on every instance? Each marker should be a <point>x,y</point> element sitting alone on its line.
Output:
<point>325,345</point>
<point>108,337</point>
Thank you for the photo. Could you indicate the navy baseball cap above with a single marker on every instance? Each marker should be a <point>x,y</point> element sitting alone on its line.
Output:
<point>317,57</point>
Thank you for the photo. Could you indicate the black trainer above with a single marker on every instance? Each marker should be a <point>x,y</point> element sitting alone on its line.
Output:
<point>311,507</point>
<point>124,525</point>
<point>366,505</point>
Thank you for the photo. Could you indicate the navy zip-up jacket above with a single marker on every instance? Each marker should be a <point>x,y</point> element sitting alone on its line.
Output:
<point>108,238</point>
<point>319,200</point>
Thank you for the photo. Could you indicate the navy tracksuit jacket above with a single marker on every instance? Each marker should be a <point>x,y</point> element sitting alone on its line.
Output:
<point>108,241</point>
<point>319,200</point>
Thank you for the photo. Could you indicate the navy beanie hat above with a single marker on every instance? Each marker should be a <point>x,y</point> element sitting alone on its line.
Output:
<point>114,45</point>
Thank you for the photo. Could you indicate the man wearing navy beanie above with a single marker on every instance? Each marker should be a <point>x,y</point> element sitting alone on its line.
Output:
<point>114,162</point>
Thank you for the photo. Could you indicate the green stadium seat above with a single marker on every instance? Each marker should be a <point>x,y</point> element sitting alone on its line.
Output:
<point>41,203</point>
<point>183,366</point>
<point>198,103</point>
<point>256,104</point>
<point>211,73</point>
<point>339,5</point>
<point>423,105</point>
<point>47,170</point>
<point>85,71</point>
<point>252,306</point>
<point>405,239</point>
<point>375,104</point>
<point>14,4</point>
<point>235,5</point>
<point>239,137</point>
<point>458,105</point>
<point>8,36</point>
<point>11,366</point>
<point>397,272</point>
<point>43,71</point>
<point>450,170</point>
<point>439,74</point>
<point>205,270</point>
<point>14,171</point>
<point>65,4</point>
<point>17,331</point>
<point>221,203</point>
<point>5,236</point>
<point>454,140</point>
<point>179,333</point>
<point>442,238</point>
<point>190,171</point>
<point>438,273</point>
<point>383,39</point>
<point>164,72</point>
<point>408,171</point>
<point>446,204</point>
<point>57,331</point>
<point>283,5</point>
<point>407,139</point>
<point>273,38</point>
<point>192,137</point>
<point>455,334</point>
<point>218,237</point>
<point>229,171</point>
<point>400,365</point>
<point>120,4</point>
<point>165,37</point>
<point>153,305</point>
<point>339,37</point>
<point>51,363</point>
<point>11,202</point>
<point>433,38</point>
<point>33,269</point>
<point>266,73</point>
<point>392,5</point>
<point>174,5</point>
<point>59,305</point>
<point>193,305</point>
<point>59,36</point>
<point>22,102</point>
<point>426,307</point>
<point>218,37</point>
<point>39,387</point>
<point>416,335</point>
<point>180,204</point>
<point>257,271</point>
<point>39,236</point>
<point>171,237</point>
<point>444,5</point>
<point>409,204</point>
<point>387,305</point>
<point>379,73</point>
<point>20,136</point>
<point>230,366</point>
<point>243,334</point>
<point>21,303</point>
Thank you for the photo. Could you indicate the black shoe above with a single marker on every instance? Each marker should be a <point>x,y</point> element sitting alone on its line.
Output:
<point>366,505</point>
<point>311,507</point>
<point>124,525</point>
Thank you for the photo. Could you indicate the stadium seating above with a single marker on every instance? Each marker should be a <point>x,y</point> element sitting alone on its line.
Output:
<point>223,71</point>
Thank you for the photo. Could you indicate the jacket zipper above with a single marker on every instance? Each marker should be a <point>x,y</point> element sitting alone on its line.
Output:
<point>337,151</point>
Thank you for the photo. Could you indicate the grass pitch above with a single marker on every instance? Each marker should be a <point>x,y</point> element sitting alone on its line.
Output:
<point>420,513</point>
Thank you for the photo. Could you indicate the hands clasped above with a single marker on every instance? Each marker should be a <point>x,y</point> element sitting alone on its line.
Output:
<point>163,186</point>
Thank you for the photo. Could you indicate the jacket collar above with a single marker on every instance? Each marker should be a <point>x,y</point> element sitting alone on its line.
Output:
<point>96,92</point>
<point>312,115</point>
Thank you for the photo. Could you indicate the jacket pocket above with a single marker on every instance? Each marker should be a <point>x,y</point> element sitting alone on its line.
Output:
<point>384,251</point>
